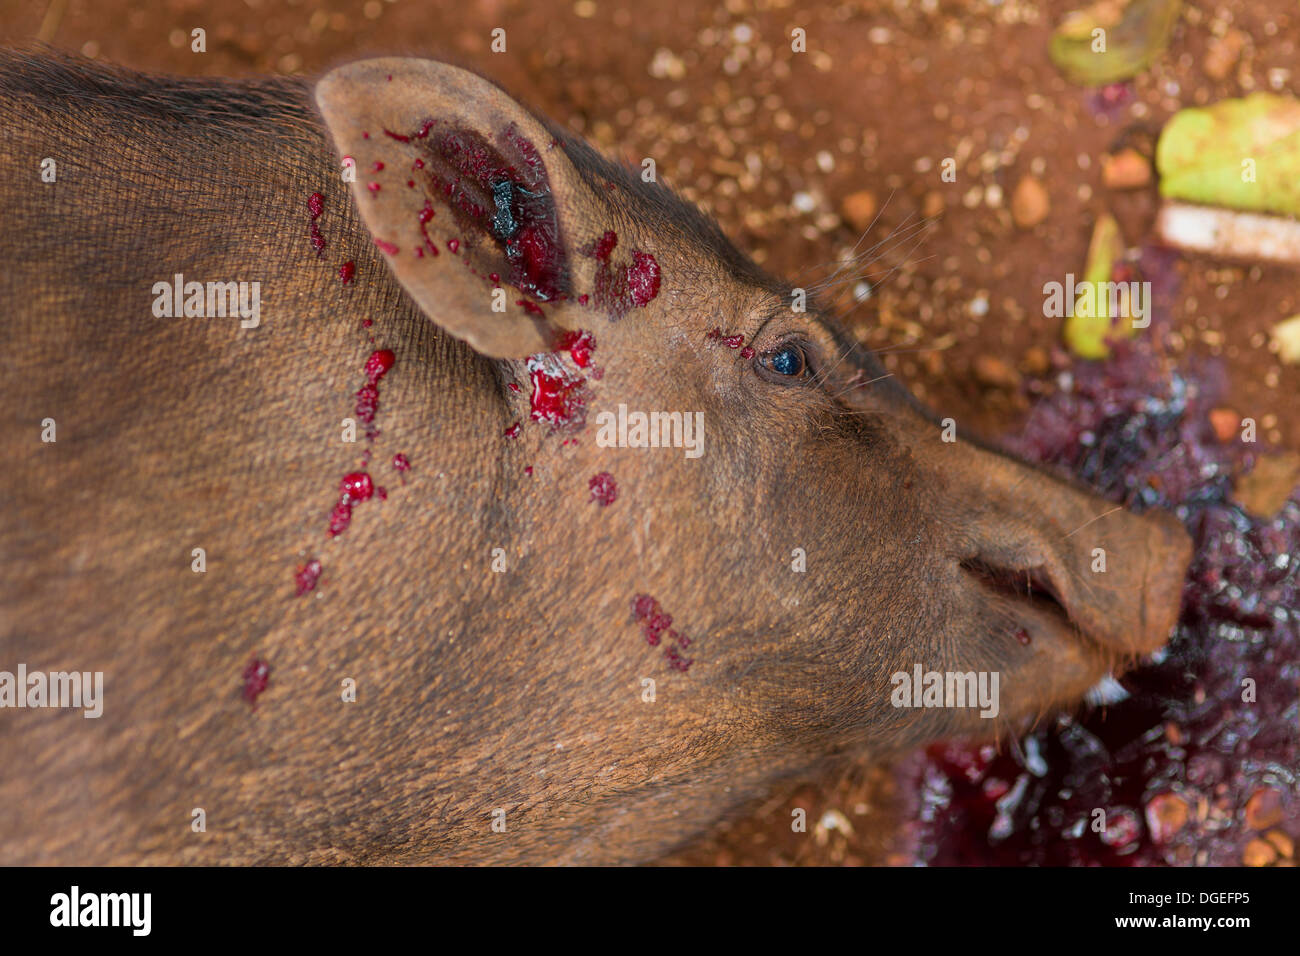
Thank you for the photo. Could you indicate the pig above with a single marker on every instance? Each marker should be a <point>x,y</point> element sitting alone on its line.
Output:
<point>328,414</point>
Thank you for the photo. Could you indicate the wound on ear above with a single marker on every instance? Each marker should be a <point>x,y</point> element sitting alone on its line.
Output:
<point>500,194</point>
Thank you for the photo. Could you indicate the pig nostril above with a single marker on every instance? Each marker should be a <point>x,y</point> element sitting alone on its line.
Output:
<point>1023,584</point>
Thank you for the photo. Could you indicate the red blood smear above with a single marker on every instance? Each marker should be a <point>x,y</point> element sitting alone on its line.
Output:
<point>425,216</point>
<point>1138,431</point>
<point>513,386</point>
<point>747,352</point>
<point>401,462</point>
<point>378,364</point>
<point>386,247</point>
<point>307,577</point>
<point>532,308</point>
<point>496,279</point>
<point>603,489</point>
<point>528,470</point>
<point>714,334</point>
<point>356,486</point>
<point>734,341</point>
<point>656,626</point>
<point>556,398</point>
<point>316,206</point>
<point>514,430</point>
<point>382,493</point>
<point>348,272</point>
<point>340,518</point>
<point>603,247</point>
<point>579,344</point>
<point>621,287</point>
<point>256,676</point>
<point>373,187</point>
<point>643,278</point>
<point>367,323</point>
<point>418,164</point>
<point>367,403</point>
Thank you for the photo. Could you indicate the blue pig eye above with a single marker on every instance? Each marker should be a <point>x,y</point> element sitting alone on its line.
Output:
<point>788,360</point>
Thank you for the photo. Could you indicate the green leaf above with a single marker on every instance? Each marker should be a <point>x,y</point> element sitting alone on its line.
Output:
<point>1241,154</point>
<point>1132,34</point>
<point>1091,323</point>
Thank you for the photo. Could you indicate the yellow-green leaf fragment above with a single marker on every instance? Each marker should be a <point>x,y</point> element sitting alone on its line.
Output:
<point>1112,40</point>
<point>1238,153</point>
<point>1102,309</point>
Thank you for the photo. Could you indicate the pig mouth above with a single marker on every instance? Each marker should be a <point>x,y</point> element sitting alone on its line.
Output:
<point>1030,588</point>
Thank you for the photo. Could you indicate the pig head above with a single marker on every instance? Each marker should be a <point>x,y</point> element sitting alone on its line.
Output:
<point>530,522</point>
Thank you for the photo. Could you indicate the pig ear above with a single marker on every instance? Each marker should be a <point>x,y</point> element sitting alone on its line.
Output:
<point>473,203</point>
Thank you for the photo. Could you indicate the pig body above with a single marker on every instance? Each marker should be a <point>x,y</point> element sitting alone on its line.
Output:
<point>510,705</point>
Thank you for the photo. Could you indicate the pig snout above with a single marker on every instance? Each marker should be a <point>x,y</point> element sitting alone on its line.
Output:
<point>1111,577</point>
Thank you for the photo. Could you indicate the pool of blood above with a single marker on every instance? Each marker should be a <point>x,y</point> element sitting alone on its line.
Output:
<point>657,628</point>
<point>621,287</point>
<point>499,191</point>
<point>1184,769</point>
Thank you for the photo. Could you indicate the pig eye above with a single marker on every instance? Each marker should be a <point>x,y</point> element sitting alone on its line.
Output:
<point>789,361</point>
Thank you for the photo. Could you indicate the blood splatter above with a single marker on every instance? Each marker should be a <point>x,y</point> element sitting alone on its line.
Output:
<point>374,187</point>
<point>453,245</point>
<point>623,287</point>
<point>557,397</point>
<point>256,677</point>
<point>656,627</point>
<point>316,206</point>
<point>401,462</point>
<point>307,577</point>
<point>643,278</point>
<point>378,364</point>
<point>514,430</point>
<point>532,308</point>
<point>347,272</point>
<point>386,247</point>
<point>603,489</point>
<point>579,344</point>
<point>356,487</point>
